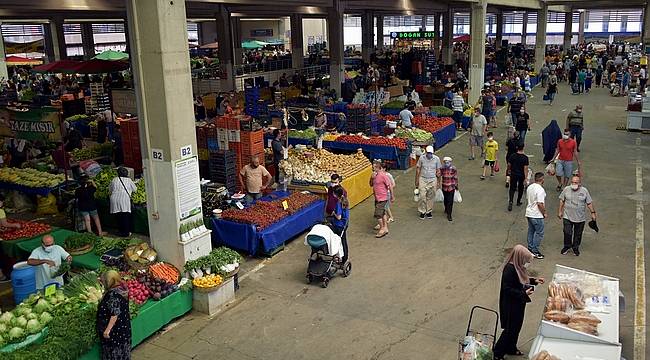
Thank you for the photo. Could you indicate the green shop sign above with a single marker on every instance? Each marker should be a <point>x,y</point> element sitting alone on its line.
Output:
<point>412,35</point>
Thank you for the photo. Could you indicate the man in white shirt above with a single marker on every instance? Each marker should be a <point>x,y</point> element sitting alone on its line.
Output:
<point>535,214</point>
<point>406,116</point>
<point>643,78</point>
<point>47,258</point>
<point>478,130</point>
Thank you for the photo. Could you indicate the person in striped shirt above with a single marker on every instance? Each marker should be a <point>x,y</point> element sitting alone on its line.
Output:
<point>458,104</point>
<point>449,175</point>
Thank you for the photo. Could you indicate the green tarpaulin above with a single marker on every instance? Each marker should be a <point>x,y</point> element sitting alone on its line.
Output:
<point>253,44</point>
<point>112,55</point>
<point>88,261</point>
<point>10,247</point>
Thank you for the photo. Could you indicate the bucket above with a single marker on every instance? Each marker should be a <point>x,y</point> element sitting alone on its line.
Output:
<point>23,281</point>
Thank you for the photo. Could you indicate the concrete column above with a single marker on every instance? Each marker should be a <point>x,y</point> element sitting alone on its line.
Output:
<point>540,41</point>
<point>645,36</point>
<point>238,51</point>
<point>87,40</point>
<point>423,27</point>
<point>335,45</point>
<point>163,89</point>
<point>225,40</point>
<point>127,48</point>
<point>49,45</point>
<point>568,31</point>
<point>581,27</point>
<point>436,35</point>
<point>208,32</point>
<point>477,50</point>
<point>499,37</point>
<point>297,48</point>
<point>58,50</point>
<point>448,36</point>
<point>524,30</point>
<point>367,34</point>
<point>4,73</point>
<point>380,32</point>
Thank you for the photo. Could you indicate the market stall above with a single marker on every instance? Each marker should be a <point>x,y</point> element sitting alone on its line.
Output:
<point>269,223</point>
<point>443,129</point>
<point>11,238</point>
<point>376,147</point>
<point>89,260</point>
<point>581,316</point>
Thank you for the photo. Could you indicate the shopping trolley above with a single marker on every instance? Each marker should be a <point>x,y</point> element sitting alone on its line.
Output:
<point>485,339</point>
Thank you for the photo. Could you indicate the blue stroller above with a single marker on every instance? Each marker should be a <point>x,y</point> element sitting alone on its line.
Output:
<point>328,254</point>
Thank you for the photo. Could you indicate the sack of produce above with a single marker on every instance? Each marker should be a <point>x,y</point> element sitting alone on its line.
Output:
<point>46,205</point>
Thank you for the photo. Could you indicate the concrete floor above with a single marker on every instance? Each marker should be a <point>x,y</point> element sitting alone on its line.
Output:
<point>410,293</point>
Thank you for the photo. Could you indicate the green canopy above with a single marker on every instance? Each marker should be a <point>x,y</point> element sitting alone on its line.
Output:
<point>112,55</point>
<point>253,44</point>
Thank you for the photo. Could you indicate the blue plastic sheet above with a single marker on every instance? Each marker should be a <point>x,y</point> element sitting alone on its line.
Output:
<point>246,237</point>
<point>444,135</point>
<point>375,151</point>
<point>44,191</point>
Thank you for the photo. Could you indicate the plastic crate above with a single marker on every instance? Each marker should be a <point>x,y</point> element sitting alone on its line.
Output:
<point>222,122</point>
<point>251,137</point>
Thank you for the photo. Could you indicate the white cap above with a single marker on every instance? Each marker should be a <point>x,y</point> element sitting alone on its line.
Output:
<point>429,149</point>
<point>446,158</point>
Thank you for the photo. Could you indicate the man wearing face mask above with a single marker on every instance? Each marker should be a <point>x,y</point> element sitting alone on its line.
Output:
<point>427,172</point>
<point>574,199</point>
<point>575,123</point>
<point>522,123</point>
<point>565,151</point>
<point>47,258</point>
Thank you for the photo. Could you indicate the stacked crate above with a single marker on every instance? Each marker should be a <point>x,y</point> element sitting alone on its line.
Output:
<point>252,100</point>
<point>98,100</point>
<point>223,168</point>
<point>358,119</point>
<point>131,144</point>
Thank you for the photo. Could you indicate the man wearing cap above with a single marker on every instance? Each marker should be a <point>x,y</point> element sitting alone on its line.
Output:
<point>575,123</point>
<point>427,174</point>
<point>574,199</point>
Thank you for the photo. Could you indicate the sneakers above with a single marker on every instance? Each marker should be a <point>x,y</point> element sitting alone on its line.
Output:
<point>422,216</point>
<point>518,203</point>
<point>449,217</point>
<point>482,177</point>
<point>509,206</point>
<point>565,251</point>
<point>576,252</point>
<point>538,255</point>
<point>429,216</point>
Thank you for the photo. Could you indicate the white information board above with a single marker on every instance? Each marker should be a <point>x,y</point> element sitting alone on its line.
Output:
<point>188,187</point>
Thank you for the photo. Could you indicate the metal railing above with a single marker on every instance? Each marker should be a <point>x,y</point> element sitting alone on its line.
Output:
<point>272,65</point>
<point>309,72</point>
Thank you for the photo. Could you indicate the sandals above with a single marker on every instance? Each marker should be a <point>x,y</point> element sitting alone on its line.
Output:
<point>381,235</point>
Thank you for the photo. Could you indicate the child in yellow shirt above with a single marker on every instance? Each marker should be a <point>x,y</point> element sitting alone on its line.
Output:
<point>491,150</point>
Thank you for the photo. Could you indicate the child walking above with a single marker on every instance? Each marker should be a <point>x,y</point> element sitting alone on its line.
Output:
<point>491,153</point>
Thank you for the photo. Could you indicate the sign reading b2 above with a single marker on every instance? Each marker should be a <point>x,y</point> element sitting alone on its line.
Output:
<point>186,151</point>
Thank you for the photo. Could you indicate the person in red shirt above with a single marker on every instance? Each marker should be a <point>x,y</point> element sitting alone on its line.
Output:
<point>383,189</point>
<point>565,152</point>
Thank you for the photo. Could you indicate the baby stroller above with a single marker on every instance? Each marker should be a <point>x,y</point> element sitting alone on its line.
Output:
<point>327,255</point>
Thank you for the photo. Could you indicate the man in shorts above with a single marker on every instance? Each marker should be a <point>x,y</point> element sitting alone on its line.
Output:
<point>479,127</point>
<point>383,190</point>
<point>565,152</point>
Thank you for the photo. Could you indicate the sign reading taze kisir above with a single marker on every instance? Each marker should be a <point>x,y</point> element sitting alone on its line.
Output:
<point>32,126</point>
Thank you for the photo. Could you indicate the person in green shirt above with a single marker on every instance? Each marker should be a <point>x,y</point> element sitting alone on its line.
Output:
<point>582,76</point>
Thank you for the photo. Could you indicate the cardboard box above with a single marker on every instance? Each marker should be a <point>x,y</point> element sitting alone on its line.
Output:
<point>395,90</point>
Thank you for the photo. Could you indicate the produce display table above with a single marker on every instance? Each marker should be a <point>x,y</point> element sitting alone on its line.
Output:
<point>10,247</point>
<point>153,315</point>
<point>292,141</point>
<point>444,135</point>
<point>88,261</point>
<point>42,191</point>
<point>356,186</point>
<point>246,237</point>
<point>391,153</point>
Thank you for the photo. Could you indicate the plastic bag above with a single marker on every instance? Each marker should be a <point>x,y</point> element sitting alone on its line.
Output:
<point>508,120</point>
<point>550,169</point>
<point>439,196</point>
<point>46,205</point>
<point>496,167</point>
<point>457,197</point>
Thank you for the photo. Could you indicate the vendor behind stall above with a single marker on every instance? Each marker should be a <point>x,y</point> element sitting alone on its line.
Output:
<point>47,258</point>
<point>73,140</point>
<point>278,153</point>
<point>252,178</point>
<point>19,151</point>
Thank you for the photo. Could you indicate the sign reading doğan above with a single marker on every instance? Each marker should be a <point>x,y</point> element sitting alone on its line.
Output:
<point>32,126</point>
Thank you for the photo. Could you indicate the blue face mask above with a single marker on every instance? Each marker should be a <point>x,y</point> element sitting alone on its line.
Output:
<point>447,164</point>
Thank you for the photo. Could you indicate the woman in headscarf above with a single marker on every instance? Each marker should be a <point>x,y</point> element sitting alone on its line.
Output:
<point>516,288</point>
<point>113,320</point>
<point>550,136</point>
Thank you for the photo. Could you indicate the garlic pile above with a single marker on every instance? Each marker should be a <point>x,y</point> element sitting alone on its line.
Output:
<point>316,166</point>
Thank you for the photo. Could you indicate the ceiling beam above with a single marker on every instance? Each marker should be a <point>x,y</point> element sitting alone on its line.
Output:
<point>560,8</point>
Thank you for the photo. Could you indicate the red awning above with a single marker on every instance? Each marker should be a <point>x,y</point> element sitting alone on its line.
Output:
<point>19,60</point>
<point>96,66</point>
<point>61,66</point>
<point>462,38</point>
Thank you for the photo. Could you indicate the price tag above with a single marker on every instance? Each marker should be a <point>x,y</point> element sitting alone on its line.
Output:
<point>157,155</point>
<point>285,204</point>
<point>50,290</point>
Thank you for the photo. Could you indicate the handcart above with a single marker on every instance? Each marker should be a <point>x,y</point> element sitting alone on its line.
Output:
<point>485,339</point>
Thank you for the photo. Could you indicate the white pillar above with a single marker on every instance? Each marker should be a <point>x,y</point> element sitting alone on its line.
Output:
<point>87,40</point>
<point>367,35</point>
<point>581,27</point>
<point>161,69</point>
<point>335,45</point>
<point>448,36</point>
<point>297,49</point>
<point>477,50</point>
<point>499,37</point>
<point>540,41</point>
<point>568,31</point>
<point>380,32</point>
<point>524,30</point>
<point>224,38</point>
<point>4,73</point>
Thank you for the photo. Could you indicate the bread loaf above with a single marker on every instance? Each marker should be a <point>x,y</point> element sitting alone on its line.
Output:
<point>557,316</point>
<point>583,327</point>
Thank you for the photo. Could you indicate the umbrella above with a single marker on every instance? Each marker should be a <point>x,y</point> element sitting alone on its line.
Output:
<point>96,66</point>
<point>253,44</point>
<point>112,55</point>
<point>18,60</point>
<point>61,66</point>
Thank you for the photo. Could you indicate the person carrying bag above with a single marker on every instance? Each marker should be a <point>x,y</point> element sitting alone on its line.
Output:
<point>121,188</point>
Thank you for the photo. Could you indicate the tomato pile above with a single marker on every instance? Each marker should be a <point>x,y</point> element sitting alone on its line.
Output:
<point>375,140</point>
<point>431,123</point>
<point>357,106</point>
<point>388,117</point>
<point>28,230</point>
<point>266,213</point>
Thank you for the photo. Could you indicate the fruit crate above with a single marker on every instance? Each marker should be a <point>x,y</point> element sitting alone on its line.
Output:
<point>251,137</point>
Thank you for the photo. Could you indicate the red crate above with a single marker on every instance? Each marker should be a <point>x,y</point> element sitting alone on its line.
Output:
<point>222,122</point>
<point>252,137</point>
<point>233,123</point>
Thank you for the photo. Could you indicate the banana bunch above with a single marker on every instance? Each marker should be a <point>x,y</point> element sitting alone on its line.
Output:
<point>30,177</point>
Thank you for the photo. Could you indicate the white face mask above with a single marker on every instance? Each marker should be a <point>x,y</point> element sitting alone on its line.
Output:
<point>490,138</point>
<point>48,249</point>
<point>575,187</point>
<point>526,265</point>
<point>565,137</point>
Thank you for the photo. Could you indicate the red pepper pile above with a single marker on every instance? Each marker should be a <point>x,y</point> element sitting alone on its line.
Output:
<point>375,140</point>
<point>431,123</point>
<point>388,117</point>
<point>357,106</point>
<point>28,230</point>
<point>266,213</point>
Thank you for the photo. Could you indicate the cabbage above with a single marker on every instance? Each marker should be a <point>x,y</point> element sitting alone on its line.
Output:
<point>53,300</point>
<point>33,326</point>
<point>31,315</point>
<point>2,341</point>
<point>16,333</point>
<point>6,318</point>
<point>60,296</point>
<point>41,306</point>
<point>45,317</point>
<point>3,328</point>
<point>22,309</point>
<point>20,321</point>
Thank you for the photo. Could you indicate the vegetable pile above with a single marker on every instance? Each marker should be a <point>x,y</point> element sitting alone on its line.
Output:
<point>208,281</point>
<point>165,272</point>
<point>79,240</point>
<point>103,180</point>
<point>28,230</point>
<point>105,149</point>
<point>30,177</point>
<point>221,260</point>
<point>157,288</point>
<point>375,140</point>
<point>442,110</point>
<point>430,123</point>
<point>414,135</point>
<point>316,166</point>
<point>266,213</point>
<point>303,134</point>
<point>138,292</point>
<point>28,318</point>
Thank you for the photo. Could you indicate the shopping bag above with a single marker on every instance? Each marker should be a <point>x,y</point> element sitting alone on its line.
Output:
<point>496,167</point>
<point>457,197</point>
<point>508,119</point>
<point>439,196</point>
<point>550,169</point>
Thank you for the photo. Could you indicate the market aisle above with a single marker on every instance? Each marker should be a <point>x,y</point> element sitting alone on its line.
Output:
<point>409,294</point>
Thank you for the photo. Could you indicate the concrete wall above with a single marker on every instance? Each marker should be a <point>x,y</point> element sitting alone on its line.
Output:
<point>279,27</point>
<point>313,30</point>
